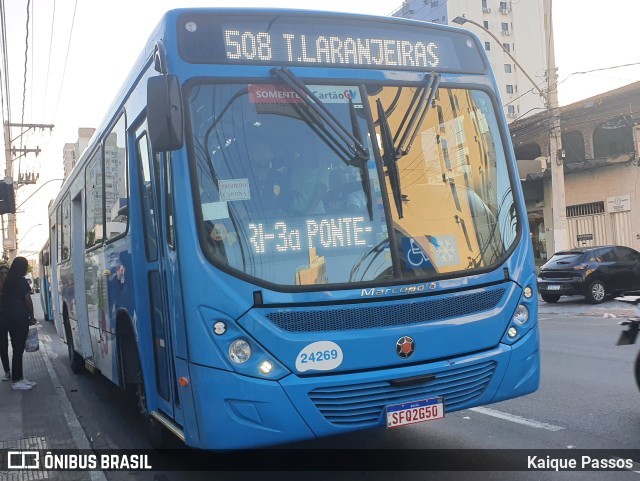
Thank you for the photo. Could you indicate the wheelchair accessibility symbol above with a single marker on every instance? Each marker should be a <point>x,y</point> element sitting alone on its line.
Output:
<point>415,256</point>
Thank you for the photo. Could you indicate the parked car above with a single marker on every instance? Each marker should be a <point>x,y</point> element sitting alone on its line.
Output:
<point>593,272</point>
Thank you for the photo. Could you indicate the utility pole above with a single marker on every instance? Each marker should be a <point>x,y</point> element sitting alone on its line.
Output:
<point>556,154</point>
<point>10,243</point>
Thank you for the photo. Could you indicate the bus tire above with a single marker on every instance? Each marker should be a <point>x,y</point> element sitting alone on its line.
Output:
<point>75,360</point>
<point>157,435</point>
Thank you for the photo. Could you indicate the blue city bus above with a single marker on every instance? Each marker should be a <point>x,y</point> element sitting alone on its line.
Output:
<point>295,224</point>
<point>44,281</point>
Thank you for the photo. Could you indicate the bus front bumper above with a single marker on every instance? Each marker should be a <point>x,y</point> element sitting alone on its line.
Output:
<point>236,412</point>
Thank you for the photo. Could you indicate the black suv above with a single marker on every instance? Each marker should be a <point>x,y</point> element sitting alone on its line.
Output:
<point>593,272</point>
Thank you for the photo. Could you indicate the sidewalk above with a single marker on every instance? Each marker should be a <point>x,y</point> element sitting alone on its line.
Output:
<point>578,306</point>
<point>41,418</point>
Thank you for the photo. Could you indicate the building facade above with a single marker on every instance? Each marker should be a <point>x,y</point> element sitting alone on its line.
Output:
<point>601,167</point>
<point>72,151</point>
<point>520,28</point>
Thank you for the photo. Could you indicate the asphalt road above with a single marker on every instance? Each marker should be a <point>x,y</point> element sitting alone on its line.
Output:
<point>587,400</point>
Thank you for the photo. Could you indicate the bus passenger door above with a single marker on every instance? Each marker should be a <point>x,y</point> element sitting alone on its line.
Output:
<point>77,261</point>
<point>169,270</point>
<point>150,189</point>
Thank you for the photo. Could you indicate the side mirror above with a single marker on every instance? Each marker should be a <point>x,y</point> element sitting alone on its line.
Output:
<point>164,113</point>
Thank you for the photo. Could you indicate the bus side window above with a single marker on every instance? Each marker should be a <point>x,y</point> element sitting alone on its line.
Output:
<point>66,229</point>
<point>116,182</point>
<point>146,194</point>
<point>168,189</point>
<point>94,211</point>
<point>59,232</point>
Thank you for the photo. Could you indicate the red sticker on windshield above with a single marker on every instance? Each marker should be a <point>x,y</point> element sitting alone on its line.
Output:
<point>272,94</point>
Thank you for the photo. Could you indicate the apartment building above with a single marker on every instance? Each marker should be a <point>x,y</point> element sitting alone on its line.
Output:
<point>518,25</point>
<point>71,151</point>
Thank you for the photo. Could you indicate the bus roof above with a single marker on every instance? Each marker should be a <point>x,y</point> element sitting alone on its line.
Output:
<point>164,30</point>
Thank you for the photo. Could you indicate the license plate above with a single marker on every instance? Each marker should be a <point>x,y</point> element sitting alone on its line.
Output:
<point>414,412</point>
<point>553,287</point>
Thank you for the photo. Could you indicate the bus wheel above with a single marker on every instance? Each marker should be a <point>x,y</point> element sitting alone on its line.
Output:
<point>157,434</point>
<point>75,360</point>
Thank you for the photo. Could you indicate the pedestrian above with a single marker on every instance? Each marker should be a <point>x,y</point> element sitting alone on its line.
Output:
<point>17,313</point>
<point>4,330</point>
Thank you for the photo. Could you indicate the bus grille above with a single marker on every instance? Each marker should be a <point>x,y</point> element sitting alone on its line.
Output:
<point>362,405</point>
<point>386,315</point>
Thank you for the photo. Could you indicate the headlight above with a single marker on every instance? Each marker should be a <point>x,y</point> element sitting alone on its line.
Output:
<point>266,367</point>
<point>521,315</point>
<point>239,351</point>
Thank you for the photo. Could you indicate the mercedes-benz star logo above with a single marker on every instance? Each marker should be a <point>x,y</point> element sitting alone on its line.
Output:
<point>405,347</point>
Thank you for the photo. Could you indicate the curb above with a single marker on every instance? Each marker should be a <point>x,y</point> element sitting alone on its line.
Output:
<point>79,436</point>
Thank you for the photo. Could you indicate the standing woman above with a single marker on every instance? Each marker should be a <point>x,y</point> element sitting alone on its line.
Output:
<point>17,312</point>
<point>4,329</point>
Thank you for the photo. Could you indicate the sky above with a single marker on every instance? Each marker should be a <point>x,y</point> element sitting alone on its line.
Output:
<point>79,56</point>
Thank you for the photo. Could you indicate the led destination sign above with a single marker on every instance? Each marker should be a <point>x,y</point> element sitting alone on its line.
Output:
<point>332,49</point>
<point>318,40</point>
<point>327,232</point>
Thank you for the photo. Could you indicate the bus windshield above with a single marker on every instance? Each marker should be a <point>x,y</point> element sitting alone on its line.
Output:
<point>280,198</point>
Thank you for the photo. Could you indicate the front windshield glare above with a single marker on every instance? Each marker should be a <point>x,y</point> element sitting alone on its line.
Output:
<point>279,198</point>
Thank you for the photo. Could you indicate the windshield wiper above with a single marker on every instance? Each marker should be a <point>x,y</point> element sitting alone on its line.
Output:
<point>424,97</point>
<point>389,158</point>
<point>413,118</point>
<point>347,145</point>
<point>364,171</point>
<point>354,145</point>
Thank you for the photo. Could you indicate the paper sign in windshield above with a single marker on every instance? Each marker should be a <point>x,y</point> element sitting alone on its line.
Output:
<point>215,211</point>
<point>234,189</point>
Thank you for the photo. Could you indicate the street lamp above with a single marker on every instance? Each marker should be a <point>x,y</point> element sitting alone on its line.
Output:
<point>559,229</point>
<point>36,191</point>
<point>463,20</point>
<point>29,230</point>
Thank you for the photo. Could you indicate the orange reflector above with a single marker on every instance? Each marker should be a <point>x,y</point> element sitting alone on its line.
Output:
<point>184,382</point>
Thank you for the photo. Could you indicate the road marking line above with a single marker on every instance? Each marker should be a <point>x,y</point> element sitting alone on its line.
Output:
<point>517,419</point>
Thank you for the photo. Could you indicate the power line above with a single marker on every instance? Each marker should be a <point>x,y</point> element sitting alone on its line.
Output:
<point>33,49</point>
<point>46,84</point>
<point>2,90</point>
<point>5,59</point>
<point>64,70</point>
<point>24,83</point>
<point>597,70</point>
<point>519,96</point>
